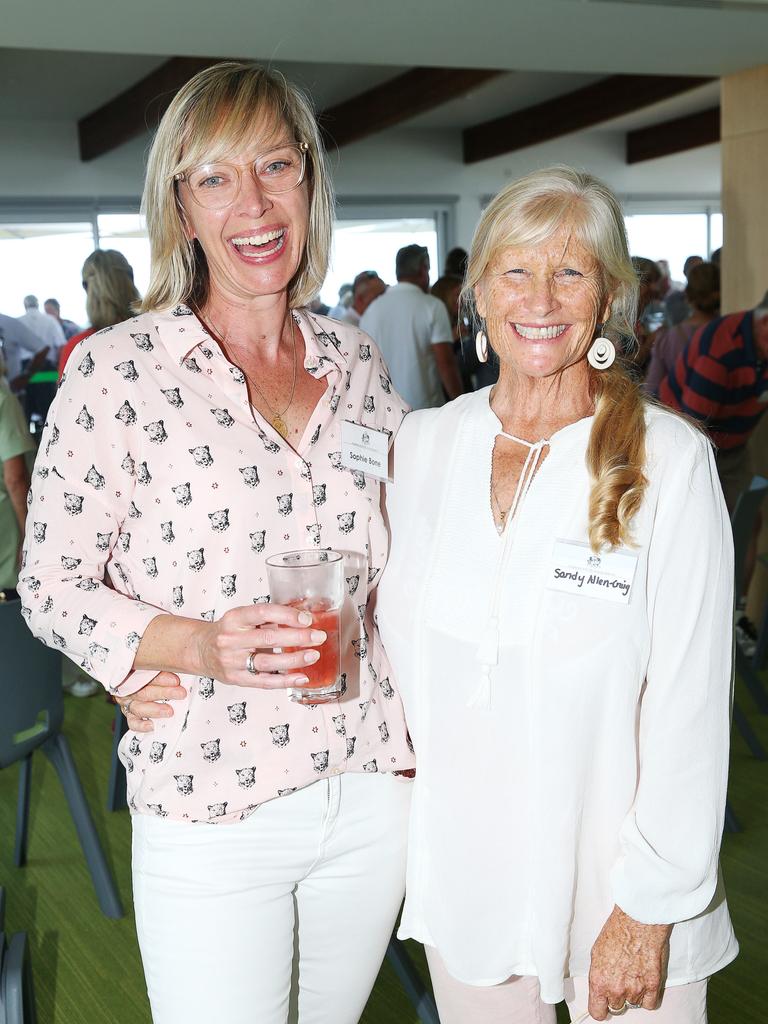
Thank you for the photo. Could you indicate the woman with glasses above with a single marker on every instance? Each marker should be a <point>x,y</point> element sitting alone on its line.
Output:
<point>185,446</point>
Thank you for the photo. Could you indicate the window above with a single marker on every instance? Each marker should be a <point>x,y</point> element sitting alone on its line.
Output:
<point>674,234</point>
<point>44,259</point>
<point>372,244</point>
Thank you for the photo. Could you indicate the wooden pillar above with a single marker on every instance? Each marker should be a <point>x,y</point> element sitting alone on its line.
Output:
<point>744,134</point>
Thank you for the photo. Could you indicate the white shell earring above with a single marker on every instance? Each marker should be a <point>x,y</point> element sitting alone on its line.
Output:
<point>481,346</point>
<point>601,354</point>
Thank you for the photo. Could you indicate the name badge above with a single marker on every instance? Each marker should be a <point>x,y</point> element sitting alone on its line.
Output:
<point>576,569</point>
<point>365,449</point>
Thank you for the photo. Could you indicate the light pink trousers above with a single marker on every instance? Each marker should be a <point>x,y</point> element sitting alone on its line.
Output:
<point>517,1001</point>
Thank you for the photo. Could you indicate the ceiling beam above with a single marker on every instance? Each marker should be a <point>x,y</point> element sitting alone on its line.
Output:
<point>138,109</point>
<point>586,107</point>
<point>141,106</point>
<point>399,99</point>
<point>700,129</point>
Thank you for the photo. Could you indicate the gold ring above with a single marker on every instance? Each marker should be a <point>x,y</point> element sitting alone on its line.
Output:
<point>126,707</point>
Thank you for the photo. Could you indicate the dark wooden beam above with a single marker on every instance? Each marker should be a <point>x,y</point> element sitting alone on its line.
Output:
<point>138,109</point>
<point>584,108</point>
<point>675,136</point>
<point>399,99</point>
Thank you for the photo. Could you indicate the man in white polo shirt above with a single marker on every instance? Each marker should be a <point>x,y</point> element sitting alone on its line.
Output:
<point>412,329</point>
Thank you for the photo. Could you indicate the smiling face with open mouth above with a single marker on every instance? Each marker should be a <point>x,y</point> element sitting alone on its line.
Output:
<point>254,246</point>
<point>541,304</point>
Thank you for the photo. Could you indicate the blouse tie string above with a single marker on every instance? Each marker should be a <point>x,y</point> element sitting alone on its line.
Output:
<point>488,649</point>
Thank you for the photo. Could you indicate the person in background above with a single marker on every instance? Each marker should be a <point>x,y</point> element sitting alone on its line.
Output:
<point>45,327</point>
<point>413,331</point>
<point>367,287</point>
<point>190,444</point>
<point>345,301</point>
<point>650,311</point>
<point>448,289</point>
<point>110,296</point>
<point>557,610</point>
<point>15,445</point>
<point>702,297</point>
<point>676,304</point>
<point>70,328</point>
<point>721,379</point>
<point>456,263</point>
<point>19,343</point>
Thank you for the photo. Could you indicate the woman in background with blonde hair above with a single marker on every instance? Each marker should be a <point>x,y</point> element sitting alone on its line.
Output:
<point>564,652</point>
<point>111,295</point>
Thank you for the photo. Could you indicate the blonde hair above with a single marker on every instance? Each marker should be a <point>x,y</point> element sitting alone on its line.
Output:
<point>111,295</point>
<point>219,111</point>
<point>527,212</point>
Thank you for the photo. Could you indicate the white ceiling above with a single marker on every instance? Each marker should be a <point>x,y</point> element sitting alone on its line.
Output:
<point>588,36</point>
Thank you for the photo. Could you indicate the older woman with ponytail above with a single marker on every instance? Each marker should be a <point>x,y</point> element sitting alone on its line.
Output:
<point>564,652</point>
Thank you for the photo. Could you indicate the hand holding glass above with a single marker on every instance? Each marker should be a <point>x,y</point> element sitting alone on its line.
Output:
<point>313,581</point>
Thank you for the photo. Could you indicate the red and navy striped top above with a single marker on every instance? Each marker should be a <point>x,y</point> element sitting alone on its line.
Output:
<point>720,379</point>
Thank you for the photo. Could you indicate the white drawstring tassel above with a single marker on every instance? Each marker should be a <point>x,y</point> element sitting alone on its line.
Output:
<point>488,649</point>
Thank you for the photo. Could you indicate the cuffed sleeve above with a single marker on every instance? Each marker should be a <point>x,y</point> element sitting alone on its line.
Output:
<point>82,488</point>
<point>670,840</point>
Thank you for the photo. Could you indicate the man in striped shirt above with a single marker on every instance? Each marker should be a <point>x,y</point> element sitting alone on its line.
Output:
<point>721,378</point>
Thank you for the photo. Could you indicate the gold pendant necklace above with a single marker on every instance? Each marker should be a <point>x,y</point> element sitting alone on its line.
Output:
<point>275,418</point>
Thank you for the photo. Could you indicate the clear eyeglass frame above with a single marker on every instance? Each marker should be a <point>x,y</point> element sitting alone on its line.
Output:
<point>214,201</point>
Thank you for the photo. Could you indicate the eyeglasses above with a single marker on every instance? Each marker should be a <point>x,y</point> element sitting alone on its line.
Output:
<point>217,185</point>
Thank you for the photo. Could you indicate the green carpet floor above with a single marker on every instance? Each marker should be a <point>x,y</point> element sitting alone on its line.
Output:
<point>87,968</point>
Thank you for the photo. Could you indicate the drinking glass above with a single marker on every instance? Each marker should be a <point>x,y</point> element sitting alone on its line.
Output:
<point>313,581</point>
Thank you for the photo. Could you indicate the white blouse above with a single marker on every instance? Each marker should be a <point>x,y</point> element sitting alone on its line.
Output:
<point>571,744</point>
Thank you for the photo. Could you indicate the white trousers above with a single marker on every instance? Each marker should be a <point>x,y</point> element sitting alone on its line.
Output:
<point>517,1001</point>
<point>296,904</point>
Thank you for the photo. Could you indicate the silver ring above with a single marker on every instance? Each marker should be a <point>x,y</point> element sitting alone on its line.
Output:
<point>634,1006</point>
<point>126,707</point>
<point>614,1012</point>
<point>249,664</point>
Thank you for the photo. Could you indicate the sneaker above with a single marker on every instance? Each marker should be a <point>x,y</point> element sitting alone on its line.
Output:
<point>82,687</point>
<point>746,636</point>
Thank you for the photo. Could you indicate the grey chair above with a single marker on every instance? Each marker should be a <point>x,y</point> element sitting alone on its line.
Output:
<point>17,994</point>
<point>744,519</point>
<point>31,716</point>
<point>743,523</point>
<point>422,1000</point>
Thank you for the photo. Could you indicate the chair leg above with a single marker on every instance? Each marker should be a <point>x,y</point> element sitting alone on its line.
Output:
<point>761,650</point>
<point>731,821</point>
<point>740,721</point>
<point>117,793</point>
<point>57,751</point>
<point>17,988</point>
<point>22,812</point>
<point>423,1002</point>
<point>751,680</point>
